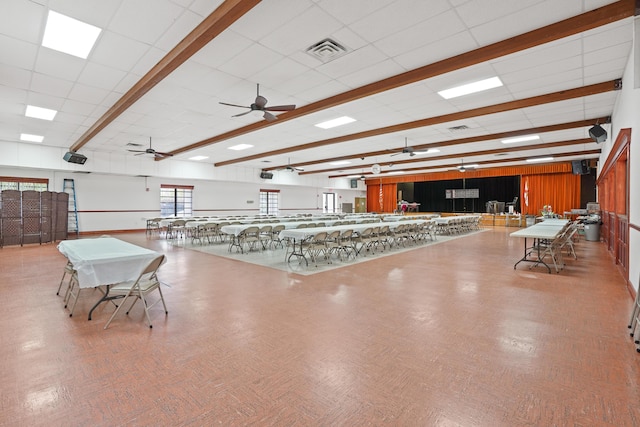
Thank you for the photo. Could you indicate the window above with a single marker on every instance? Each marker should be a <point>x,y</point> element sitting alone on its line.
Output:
<point>328,202</point>
<point>23,184</point>
<point>269,202</point>
<point>176,200</point>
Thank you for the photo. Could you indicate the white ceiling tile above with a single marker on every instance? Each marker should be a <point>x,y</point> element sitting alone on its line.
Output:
<point>22,20</point>
<point>59,64</point>
<point>17,53</point>
<point>43,83</point>
<point>127,20</point>
<point>117,51</point>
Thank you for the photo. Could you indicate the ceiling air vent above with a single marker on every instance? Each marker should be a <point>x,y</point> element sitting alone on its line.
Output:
<point>458,128</point>
<point>326,50</point>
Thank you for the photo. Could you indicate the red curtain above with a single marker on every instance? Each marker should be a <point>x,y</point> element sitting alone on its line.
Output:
<point>559,190</point>
<point>381,198</point>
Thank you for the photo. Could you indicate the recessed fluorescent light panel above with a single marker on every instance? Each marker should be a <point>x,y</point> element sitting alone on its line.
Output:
<point>198,157</point>
<point>429,151</point>
<point>40,113</point>
<point>335,122</point>
<point>69,35</point>
<point>340,162</point>
<point>31,138</point>
<point>520,139</point>
<point>469,88</point>
<point>540,159</point>
<point>240,147</point>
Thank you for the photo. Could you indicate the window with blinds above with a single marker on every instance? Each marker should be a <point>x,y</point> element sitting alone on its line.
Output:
<point>176,200</point>
<point>23,184</point>
<point>269,202</point>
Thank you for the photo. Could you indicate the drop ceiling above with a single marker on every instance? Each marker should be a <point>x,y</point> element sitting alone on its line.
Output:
<point>381,43</point>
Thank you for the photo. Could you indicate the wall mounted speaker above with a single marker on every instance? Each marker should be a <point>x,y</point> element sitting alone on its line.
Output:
<point>266,175</point>
<point>353,183</point>
<point>598,134</point>
<point>580,167</point>
<point>72,157</point>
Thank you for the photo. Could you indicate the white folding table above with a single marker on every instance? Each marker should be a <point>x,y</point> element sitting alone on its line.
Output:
<point>546,230</point>
<point>104,261</point>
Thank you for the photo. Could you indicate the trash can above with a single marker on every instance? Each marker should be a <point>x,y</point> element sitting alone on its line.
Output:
<point>592,232</point>
<point>530,220</point>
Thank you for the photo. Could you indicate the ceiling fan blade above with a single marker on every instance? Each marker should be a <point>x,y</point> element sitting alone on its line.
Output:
<point>242,114</point>
<point>269,117</point>
<point>281,108</point>
<point>234,105</point>
<point>141,153</point>
<point>138,151</point>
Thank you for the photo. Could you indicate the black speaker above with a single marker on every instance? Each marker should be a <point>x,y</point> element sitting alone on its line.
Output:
<point>598,134</point>
<point>266,175</point>
<point>353,183</point>
<point>584,167</point>
<point>72,157</point>
<point>580,167</point>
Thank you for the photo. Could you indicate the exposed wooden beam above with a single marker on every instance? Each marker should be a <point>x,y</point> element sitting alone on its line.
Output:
<point>457,156</point>
<point>486,162</point>
<point>450,142</point>
<point>565,28</point>
<point>219,20</point>
<point>562,95</point>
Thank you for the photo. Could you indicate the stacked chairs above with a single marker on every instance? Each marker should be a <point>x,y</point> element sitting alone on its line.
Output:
<point>567,241</point>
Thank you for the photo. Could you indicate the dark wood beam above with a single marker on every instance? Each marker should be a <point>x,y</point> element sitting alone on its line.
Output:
<point>219,20</point>
<point>451,142</point>
<point>457,156</point>
<point>562,95</point>
<point>565,28</point>
<point>486,162</point>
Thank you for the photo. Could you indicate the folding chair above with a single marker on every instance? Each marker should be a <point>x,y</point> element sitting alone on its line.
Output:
<point>140,288</point>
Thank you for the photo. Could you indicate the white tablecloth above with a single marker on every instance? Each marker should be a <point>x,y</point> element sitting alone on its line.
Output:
<point>105,260</point>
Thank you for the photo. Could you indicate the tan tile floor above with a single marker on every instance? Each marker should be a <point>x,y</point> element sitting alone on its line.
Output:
<point>444,335</point>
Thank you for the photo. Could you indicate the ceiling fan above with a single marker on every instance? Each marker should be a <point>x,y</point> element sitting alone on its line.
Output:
<point>464,168</point>
<point>260,104</point>
<point>291,168</point>
<point>408,150</point>
<point>150,150</point>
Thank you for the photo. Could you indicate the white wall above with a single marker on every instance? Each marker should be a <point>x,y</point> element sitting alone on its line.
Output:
<point>626,114</point>
<point>111,201</point>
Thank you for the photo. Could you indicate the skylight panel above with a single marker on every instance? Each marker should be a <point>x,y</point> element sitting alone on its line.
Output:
<point>470,88</point>
<point>40,113</point>
<point>69,35</point>
<point>335,122</point>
